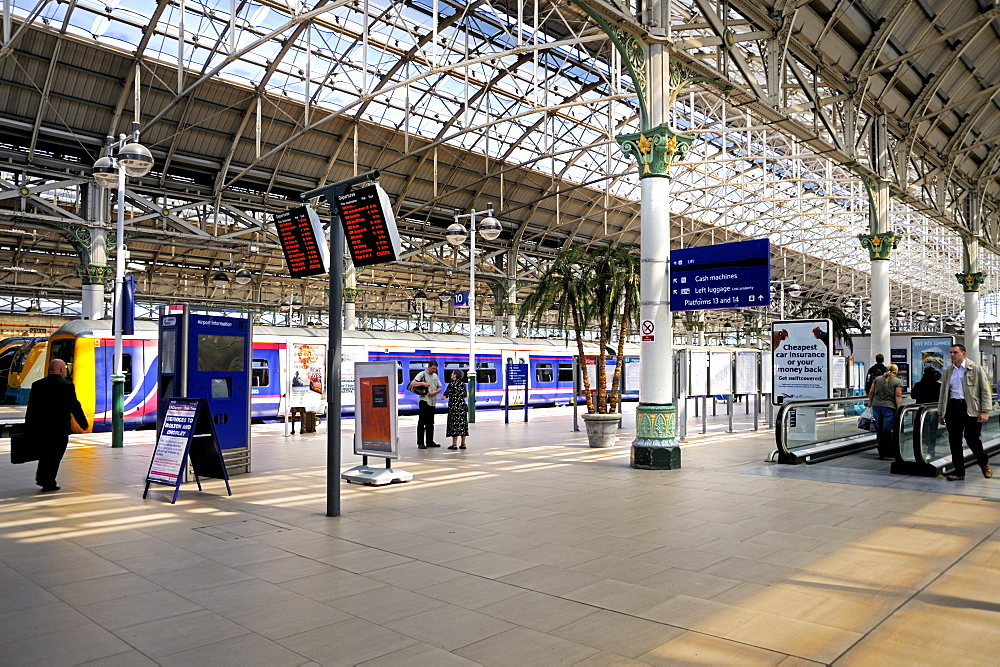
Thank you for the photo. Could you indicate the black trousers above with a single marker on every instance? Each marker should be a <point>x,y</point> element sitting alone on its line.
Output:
<point>960,425</point>
<point>48,462</point>
<point>425,424</point>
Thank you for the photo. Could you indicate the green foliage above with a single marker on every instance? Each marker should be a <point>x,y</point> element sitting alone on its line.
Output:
<point>591,288</point>
<point>840,320</point>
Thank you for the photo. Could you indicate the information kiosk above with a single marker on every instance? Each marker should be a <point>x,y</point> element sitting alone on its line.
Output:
<point>208,356</point>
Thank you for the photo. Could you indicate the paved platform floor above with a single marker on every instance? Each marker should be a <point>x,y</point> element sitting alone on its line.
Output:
<point>529,548</point>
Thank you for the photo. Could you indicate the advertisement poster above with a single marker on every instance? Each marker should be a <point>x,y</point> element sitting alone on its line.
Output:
<point>171,446</point>
<point>375,406</point>
<point>307,369</point>
<point>928,352</point>
<point>800,350</point>
<point>349,355</point>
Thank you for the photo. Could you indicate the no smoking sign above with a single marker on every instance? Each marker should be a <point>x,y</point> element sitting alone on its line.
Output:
<point>647,329</point>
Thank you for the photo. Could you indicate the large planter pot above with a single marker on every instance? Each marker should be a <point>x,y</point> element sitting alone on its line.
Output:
<point>602,429</point>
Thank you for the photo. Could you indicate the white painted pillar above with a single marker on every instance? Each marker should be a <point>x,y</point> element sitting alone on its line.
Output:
<point>656,382</point>
<point>880,309</point>
<point>972,326</point>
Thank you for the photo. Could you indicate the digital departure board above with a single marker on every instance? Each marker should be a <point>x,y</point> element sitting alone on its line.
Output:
<point>302,241</point>
<point>369,225</point>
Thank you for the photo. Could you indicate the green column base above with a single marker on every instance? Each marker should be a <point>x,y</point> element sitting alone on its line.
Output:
<point>654,447</point>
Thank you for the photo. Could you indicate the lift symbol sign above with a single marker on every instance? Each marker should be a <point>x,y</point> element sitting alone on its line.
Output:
<point>647,331</point>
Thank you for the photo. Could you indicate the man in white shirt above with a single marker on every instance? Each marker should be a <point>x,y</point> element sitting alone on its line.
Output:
<point>963,405</point>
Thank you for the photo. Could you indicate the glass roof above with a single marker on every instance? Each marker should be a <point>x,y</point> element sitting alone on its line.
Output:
<point>505,90</point>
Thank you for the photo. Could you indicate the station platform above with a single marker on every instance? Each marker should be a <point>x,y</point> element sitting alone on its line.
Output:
<point>527,548</point>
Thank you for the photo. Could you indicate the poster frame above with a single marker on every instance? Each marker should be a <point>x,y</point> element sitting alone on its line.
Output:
<point>383,370</point>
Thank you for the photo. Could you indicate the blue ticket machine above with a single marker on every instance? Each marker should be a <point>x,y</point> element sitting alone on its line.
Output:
<point>208,356</point>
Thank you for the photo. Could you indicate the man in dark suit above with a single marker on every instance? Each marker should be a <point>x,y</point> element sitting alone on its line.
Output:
<point>51,402</point>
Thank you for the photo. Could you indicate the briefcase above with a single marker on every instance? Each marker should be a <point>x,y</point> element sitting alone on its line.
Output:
<point>22,448</point>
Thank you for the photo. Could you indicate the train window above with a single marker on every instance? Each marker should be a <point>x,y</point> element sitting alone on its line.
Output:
<point>415,368</point>
<point>399,372</point>
<point>260,373</point>
<point>486,372</point>
<point>127,372</point>
<point>543,372</point>
<point>63,348</point>
<point>21,358</point>
<point>565,371</point>
<point>450,366</point>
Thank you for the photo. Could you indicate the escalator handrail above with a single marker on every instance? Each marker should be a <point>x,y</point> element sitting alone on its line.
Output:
<point>918,426</point>
<point>779,432</point>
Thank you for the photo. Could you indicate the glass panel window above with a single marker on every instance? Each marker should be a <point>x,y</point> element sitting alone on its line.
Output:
<point>486,372</point>
<point>543,372</point>
<point>127,372</point>
<point>566,371</point>
<point>260,373</point>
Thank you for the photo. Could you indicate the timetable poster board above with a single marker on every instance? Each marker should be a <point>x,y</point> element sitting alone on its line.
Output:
<point>766,377</point>
<point>631,372</point>
<point>746,372</point>
<point>590,364</point>
<point>721,373</point>
<point>838,378</point>
<point>303,242</point>
<point>801,358</point>
<point>370,231</point>
<point>375,407</point>
<point>928,352</point>
<point>307,369</point>
<point>698,373</point>
<point>187,433</point>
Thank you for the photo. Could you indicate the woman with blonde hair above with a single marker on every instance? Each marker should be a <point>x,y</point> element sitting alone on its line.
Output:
<point>885,397</point>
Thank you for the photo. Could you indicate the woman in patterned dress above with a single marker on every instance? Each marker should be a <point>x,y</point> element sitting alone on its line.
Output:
<point>458,410</point>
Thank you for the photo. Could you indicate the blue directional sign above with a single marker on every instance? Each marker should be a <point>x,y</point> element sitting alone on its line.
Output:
<point>728,275</point>
<point>517,375</point>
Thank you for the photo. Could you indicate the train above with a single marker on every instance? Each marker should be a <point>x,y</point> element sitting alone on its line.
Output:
<point>87,347</point>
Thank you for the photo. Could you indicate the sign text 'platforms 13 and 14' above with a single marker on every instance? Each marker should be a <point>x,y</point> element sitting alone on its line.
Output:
<point>303,242</point>
<point>369,225</point>
<point>727,275</point>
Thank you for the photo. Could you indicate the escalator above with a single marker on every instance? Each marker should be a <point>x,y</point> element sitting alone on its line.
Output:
<point>825,431</point>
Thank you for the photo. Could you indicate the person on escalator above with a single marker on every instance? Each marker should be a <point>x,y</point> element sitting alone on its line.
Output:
<point>928,389</point>
<point>885,397</point>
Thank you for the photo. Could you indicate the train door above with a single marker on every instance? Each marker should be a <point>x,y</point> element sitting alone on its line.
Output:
<point>135,390</point>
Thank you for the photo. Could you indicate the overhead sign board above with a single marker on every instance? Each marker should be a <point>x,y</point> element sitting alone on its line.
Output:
<point>727,275</point>
<point>369,225</point>
<point>302,241</point>
<point>460,299</point>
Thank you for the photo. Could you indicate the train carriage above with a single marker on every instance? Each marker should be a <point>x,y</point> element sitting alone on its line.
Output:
<point>280,378</point>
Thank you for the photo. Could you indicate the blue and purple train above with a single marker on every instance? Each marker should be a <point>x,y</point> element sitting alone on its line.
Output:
<point>87,347</point>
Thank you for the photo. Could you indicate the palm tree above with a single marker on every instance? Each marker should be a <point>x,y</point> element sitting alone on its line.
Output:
<point>840,321</point>
<point>591,287</point>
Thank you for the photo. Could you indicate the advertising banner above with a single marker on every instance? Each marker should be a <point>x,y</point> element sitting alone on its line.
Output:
<point>375,406</point>
<point>928,352</point>
<point>307,368</point>
<point>800,350</point>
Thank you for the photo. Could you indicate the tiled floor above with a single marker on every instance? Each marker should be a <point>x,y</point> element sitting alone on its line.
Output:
<point>527,548</point>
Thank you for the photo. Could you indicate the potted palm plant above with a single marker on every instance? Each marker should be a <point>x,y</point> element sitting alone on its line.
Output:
<point>593,289</point>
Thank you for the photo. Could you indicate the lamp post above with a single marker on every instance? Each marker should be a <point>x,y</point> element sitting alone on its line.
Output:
<point>292,303</point>
<point>134,160</point>
<point>490,229</point>
<point>793,290</point>
<point>420,301</point>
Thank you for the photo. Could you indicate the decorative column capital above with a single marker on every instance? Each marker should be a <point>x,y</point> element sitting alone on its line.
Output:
<point>352,294</point>
<point>879,246</point>
<point>971,282</point>
<point>655,150</point>
<point>93,274</point>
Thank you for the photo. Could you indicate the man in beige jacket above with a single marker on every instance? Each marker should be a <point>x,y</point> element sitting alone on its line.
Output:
<point>963,405</point>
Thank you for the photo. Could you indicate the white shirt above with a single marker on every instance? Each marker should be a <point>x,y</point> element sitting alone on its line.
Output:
<point>955,388</point>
